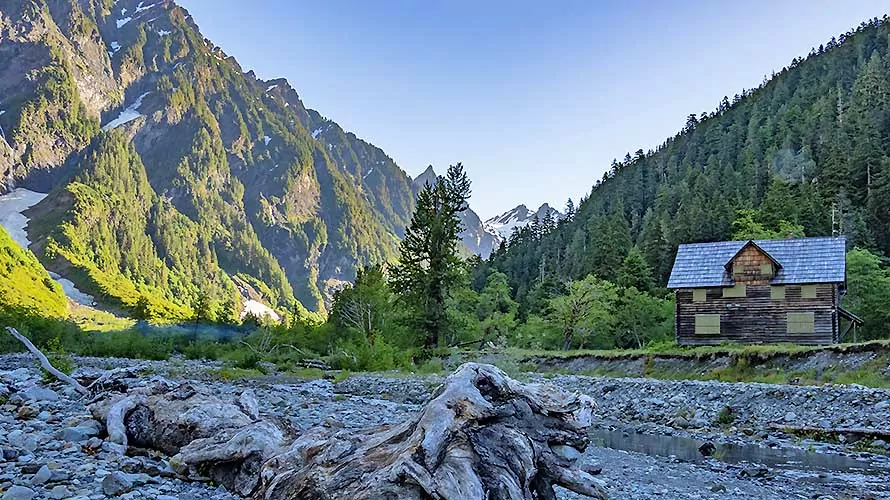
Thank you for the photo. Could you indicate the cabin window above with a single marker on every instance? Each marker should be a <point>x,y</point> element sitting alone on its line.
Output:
<point>766,269</point>
<point>777,292</point>
<point>707,324</point>
<point>699,294</point>
<point>808,291</point>
<point>734,292</point>
<point>801,322</point>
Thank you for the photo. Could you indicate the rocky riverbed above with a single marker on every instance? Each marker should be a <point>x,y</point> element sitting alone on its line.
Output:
<point>646,441</point>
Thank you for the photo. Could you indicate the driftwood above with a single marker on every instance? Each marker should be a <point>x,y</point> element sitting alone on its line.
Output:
<point>44,362</point>
<point>482,436</point>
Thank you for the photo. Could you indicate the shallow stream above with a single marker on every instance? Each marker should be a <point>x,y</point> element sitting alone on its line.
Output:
<point>807,465</point>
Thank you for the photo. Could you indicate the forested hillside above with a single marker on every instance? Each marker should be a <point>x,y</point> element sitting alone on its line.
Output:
<point>807,152</point>
<point>24,284</point>
<point>181,182</point>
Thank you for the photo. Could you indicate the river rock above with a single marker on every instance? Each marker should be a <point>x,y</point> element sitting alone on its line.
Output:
<point>679,422</point>
<point>19,493</point>
<point>753,472</point>
<point>42,476</point>
<point>707,449</point>
<point>39,394</point>
<point>26,412</point>
<point>59,492</point>
<point>116,483</point>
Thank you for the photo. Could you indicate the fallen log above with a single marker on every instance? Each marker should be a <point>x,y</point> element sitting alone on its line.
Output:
<point>482,435</point>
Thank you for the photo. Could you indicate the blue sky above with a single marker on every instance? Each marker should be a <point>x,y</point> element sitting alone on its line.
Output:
<point>535,98</point>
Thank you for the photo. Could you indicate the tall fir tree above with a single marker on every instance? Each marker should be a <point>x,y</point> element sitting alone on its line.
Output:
<point>429,267</point>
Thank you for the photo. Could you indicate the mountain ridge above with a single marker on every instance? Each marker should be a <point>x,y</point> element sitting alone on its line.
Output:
<point>277,193</point>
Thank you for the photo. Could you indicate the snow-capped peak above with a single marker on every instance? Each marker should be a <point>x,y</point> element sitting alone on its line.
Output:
<point>504,224</point>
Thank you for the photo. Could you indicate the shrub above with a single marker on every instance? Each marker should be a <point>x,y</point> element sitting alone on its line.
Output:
<point>57,357</point>
<point>726,416</point>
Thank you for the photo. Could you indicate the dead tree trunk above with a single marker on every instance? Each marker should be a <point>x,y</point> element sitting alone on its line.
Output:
<point>482,436</point>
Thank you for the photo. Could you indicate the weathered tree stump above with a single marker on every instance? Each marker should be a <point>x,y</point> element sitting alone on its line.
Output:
<point>481,436</point>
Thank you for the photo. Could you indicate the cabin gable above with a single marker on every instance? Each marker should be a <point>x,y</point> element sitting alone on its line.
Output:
<point>752,266</point>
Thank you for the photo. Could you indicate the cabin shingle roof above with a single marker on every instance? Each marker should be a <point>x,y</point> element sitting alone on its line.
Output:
<point>802,260</point>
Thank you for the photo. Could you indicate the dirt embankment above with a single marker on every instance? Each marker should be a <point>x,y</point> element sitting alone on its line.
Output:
<point>866,364</point>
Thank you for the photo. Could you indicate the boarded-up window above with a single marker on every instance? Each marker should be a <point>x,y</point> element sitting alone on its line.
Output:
<point>808,291</point>
<point>707,324</point>
<point>766,269</point>
<point>801,322</point>
<point>699,294</point>
<point>777,292</point>
<point>734,291</point>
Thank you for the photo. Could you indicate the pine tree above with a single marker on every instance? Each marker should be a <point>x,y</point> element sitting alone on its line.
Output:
<point>429,267</point>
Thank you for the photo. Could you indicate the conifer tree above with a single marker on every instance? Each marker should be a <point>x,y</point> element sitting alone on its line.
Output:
<point>429,267</point>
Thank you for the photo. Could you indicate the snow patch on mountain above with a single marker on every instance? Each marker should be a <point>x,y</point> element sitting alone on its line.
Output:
<point>129,114</point>
<point>121,22</point>
<point>258,310</point>
<point>140,8</point>
<point>14,221</point>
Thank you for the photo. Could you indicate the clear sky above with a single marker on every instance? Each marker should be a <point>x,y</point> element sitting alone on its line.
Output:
<point>534,97</point>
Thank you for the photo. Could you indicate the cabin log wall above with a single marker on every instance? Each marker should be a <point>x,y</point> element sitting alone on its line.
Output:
<point>757,318</point>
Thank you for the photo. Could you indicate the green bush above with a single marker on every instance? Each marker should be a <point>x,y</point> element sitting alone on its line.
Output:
<point>57,357</point>
<point>359,355</point>
<point>726,416</point>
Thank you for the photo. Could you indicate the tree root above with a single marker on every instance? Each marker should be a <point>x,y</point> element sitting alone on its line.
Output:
<point>482,436</point>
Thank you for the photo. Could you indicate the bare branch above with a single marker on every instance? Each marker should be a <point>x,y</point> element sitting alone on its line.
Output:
<point>44,362</point>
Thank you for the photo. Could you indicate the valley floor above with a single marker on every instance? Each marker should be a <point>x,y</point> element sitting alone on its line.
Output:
<point>645,439</point>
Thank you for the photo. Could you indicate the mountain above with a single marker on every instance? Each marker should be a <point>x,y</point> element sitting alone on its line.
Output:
<point>503,225</point>
<point>27,288</point>
<point>809,149</point>
<point>476,238</point>
<point>180,185</point>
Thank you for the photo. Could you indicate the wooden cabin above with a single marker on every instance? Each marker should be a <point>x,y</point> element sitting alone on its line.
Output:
<point>760,291</point>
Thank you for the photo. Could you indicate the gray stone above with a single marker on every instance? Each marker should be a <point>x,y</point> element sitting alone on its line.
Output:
<point>116,484</point>
<point>882,405</point>
<point>753,472</point>
<point>39,394</point>
<point>115,448</point>
<point>59,476</point>
<point>42,476</point>
<point>790,417</point>
<point>18,376</point>
<point>82,431</point>
<point>19,493</point>
<point>74,434</point>
<point>679,422</point>
<point>59,492</point>
<point>90,427</point>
